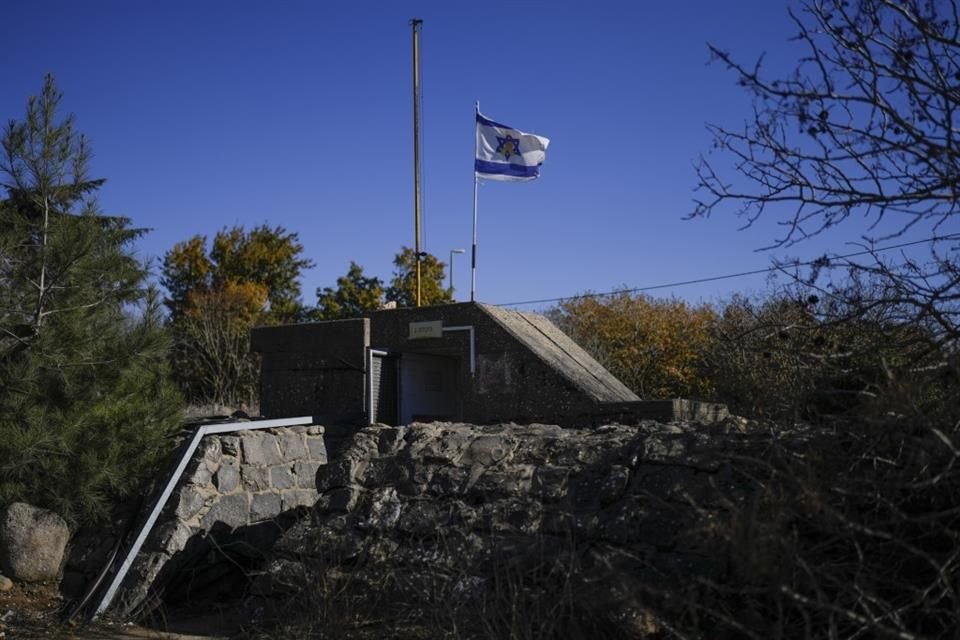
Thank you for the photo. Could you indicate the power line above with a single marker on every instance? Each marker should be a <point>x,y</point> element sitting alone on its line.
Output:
<point>731,275</point>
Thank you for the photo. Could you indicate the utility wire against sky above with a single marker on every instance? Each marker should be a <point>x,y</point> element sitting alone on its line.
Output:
<point>740,274</point>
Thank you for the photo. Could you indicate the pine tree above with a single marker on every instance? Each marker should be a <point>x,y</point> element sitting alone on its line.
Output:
<point>86,406</point>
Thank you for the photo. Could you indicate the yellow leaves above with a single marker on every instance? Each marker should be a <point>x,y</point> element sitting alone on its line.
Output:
<point>243,302</point>
<point>654,346</point>
<point>188,260</point>
<point>267,256</point>
<point>247,278</point>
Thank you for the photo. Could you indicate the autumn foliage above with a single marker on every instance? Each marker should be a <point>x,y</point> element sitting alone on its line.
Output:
<point>216,297</point>
<point>656,347</point>
<point>792,354</point>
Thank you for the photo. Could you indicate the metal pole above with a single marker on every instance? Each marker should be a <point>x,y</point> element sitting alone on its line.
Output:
<point>415,23</point>
<point>473,255</point>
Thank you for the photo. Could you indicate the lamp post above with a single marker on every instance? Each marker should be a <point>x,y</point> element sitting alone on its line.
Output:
<point>452,252</point>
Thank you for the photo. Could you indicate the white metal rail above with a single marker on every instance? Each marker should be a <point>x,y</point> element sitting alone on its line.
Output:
<point>209,429</point>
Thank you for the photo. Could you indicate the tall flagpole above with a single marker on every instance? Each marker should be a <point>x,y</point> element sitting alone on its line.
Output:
<point>415,23</point>
<point>476,180</point>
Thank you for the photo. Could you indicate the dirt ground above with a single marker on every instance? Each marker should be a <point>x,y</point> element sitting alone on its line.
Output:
<point>29,612</point>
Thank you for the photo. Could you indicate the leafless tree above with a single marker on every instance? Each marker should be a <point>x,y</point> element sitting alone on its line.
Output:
<point>854,531</point>
<point>866,122</point>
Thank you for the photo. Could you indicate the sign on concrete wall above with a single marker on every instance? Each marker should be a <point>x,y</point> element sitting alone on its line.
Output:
<point>430,329</point>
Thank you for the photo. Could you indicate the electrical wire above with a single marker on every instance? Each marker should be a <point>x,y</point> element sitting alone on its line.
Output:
<point>730,276</point>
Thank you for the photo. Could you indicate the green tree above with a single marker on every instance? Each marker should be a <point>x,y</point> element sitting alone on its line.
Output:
<point>355,294</point>
<point>403,286</point>
<point>216,295</point>
<point>87,410</point>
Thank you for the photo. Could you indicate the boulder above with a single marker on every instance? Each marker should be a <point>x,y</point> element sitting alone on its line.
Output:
<point>32,543</point>
<point>457,518</point>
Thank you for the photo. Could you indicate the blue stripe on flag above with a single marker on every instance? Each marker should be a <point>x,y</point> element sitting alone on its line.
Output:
<point>490,123</point>
<point>503,169</point>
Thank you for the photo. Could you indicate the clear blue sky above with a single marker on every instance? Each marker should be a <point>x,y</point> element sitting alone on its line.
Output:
<point>295,113</point>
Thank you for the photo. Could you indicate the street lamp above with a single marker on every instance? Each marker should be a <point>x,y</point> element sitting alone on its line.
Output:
<point>452,252</point>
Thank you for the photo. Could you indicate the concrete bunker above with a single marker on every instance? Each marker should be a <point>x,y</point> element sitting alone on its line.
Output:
<point>238,486</point>
<point>465,362</point>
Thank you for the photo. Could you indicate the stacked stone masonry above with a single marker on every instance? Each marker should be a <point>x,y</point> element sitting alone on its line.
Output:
<point>233,482</point>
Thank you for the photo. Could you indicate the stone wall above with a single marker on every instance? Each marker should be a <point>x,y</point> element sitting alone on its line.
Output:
<point>237,495</point>
<point>453,517</point>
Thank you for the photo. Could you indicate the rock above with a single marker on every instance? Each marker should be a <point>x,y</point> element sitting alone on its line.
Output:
<point>232,510</point>
<point>227,478</point>
<point>260,448</point>
<point>292,446</point>
<point>306,474</point>
<point>209,449</point>
<point>298,498</point>
<point>318,448</point>
<point>265,506</point>
<point>255,478</point>
<point>230,445</point>
<point>281,477</point>
<point>32,543</point>
<point>192,500</point>
<point>481,507</point>
<point>5,583</point>
<point>201,475</point>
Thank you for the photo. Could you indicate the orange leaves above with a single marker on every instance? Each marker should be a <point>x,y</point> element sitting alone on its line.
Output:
<point>243,302</point>
<point>247,278</point>
<point>654,346</point>
<point>265,256</point>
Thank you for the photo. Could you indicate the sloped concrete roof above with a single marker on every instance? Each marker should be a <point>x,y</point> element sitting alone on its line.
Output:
<point>562,354</point>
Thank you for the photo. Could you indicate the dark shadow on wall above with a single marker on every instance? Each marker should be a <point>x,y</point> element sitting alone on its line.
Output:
<point>198,589</point>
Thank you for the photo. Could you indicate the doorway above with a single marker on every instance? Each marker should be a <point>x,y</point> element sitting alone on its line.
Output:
<point>428,388</point>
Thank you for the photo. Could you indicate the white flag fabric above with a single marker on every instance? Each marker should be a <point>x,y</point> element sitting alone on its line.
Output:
<point>504,153</point>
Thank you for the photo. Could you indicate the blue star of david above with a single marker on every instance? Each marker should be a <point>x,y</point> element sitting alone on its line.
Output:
<point>508,146</point>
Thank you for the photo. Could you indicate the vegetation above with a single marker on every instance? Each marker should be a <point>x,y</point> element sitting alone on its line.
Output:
<point>865,123</point>
<point>403,286</point>
<point>355,295</point>
<point>856,539</point>
<point>849,531</point>
<point>86,407</point>
<point>247,278</point>
<point>852,529</point>
<point>265,256</point>
<point>655,347</point>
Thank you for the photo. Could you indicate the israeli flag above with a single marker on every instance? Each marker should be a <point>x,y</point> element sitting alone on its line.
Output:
<point>503,153</point>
